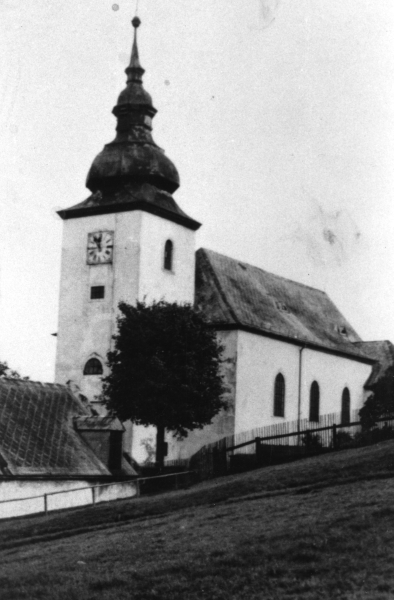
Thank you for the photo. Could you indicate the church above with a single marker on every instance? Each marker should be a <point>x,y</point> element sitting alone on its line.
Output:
<point>289,353</point>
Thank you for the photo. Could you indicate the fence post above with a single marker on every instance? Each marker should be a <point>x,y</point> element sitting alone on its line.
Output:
<point>258,450</point>
<point>93,495</point>
<point>46,504</point>
<point>334,437</point>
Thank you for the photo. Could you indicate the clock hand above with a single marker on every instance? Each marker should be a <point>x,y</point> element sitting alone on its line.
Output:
<point>97,239</point>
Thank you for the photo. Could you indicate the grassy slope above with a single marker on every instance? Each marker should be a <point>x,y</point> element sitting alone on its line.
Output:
<point>289,531</point>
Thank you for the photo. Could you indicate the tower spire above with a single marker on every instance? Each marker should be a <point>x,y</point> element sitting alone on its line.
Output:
<point>132,172</point>
<point>134,71</point>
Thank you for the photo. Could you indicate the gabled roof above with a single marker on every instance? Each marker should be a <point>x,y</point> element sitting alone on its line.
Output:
<point>383,353</point>
<point>37,433</point>
<point>234,294</point>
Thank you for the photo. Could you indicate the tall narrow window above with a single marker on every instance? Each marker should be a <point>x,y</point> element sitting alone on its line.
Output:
<point>345,409</point>
<point>314,402</point>
<point>279,396</point>
<point>168,255</point>
<point>93,367</point>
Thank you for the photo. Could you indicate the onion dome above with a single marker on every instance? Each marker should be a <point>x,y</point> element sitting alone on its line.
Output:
<point>132,172</point>
<point>133,156</point>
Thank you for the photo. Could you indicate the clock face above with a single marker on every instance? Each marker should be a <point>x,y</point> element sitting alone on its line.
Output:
<point>100,247</point>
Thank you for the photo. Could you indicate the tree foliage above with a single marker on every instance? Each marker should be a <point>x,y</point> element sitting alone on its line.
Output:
<point>6,371</point>
<point>164,368</point>
<point>381,403</point>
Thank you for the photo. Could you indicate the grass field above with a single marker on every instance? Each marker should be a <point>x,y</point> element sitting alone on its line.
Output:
<point>319,528</point>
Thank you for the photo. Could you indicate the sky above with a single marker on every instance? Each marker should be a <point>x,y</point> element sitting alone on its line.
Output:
<point>279,115</point>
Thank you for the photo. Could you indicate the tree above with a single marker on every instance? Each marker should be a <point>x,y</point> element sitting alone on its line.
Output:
<point>5,371</point>
<point>164,370</point>
<point>381,403</point>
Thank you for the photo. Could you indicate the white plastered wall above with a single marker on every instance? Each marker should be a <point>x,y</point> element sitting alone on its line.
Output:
<point>259,361</point>
<point>155,282</point>
<point>333,374</point>
<point>86,326</point>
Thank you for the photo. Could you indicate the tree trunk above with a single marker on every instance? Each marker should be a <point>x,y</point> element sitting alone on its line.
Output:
<point>160,447</point>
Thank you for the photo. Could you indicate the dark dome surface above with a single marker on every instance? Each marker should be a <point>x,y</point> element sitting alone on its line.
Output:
<point>134,93</point>
<point>123,162</point>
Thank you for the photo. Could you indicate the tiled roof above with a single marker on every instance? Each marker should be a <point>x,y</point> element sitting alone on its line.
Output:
<point>383,352</point>
<point>233,293</point>
<point>37,433</point>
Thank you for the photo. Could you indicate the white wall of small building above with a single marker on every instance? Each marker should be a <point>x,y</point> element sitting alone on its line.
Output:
<point>24,497</point>
<point>260,359</point>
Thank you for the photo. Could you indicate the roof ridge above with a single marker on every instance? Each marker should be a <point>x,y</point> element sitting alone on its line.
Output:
<point>36,383</point>
<point>298,283</point>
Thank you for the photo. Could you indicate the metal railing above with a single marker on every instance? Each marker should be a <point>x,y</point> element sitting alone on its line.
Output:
<point>42,501</point>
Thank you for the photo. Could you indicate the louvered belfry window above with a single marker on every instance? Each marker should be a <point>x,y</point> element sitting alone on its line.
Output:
<point>93,367</point>
<point>345,409</point>
<point>168,254</point>
<point>279,396</point>
<point>314,402</point>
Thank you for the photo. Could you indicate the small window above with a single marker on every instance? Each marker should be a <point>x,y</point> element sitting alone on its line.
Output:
<point>342,330</point>
<point>345,409</point>
<point>314,401</point>
<point>168,254</point>
<point>281,306</point>
<point>279,396</point>
<point>93,367</point>
<point>97,292</point>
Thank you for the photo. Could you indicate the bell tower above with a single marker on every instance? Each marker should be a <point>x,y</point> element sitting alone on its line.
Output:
<point>128,241</point>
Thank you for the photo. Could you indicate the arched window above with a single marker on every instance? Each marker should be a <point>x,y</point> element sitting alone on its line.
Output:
<point>279,396</point>
<point>345,409</point>
<point>314,401</point>
<point>168,254</point>
<point>93,367</point>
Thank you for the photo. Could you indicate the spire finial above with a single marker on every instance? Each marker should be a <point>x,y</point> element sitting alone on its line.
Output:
<point>134,70</point>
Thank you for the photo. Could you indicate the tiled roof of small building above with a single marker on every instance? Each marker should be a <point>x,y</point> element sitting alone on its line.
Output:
<point>233,293</point>
<point>383,352</point>
<point>37,433</point>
